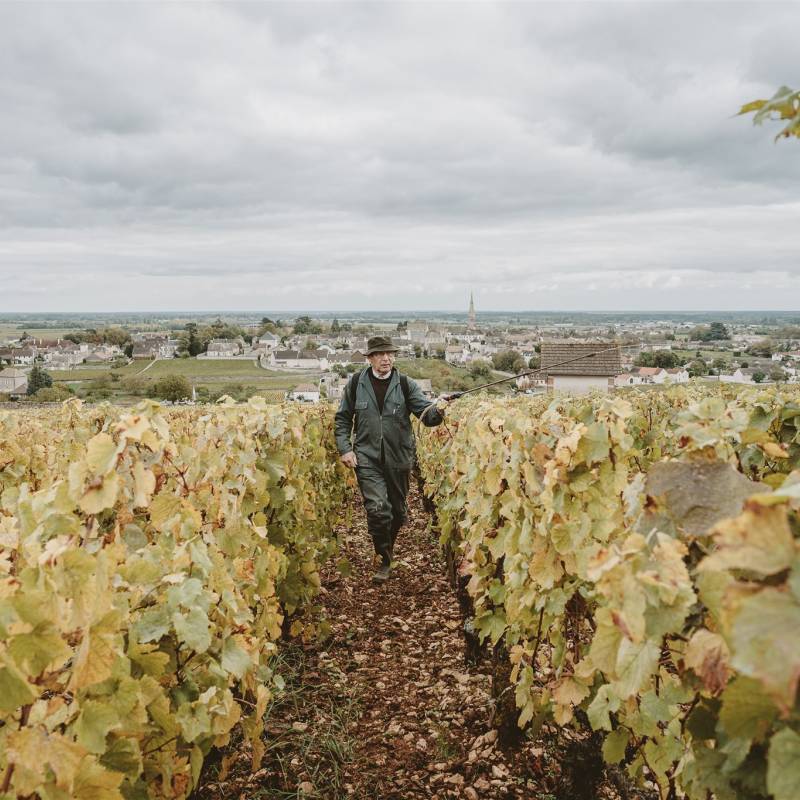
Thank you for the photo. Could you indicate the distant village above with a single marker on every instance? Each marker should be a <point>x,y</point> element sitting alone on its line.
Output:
<point>321,354</point>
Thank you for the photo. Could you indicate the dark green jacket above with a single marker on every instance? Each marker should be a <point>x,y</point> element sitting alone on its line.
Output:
<point>392,428</point>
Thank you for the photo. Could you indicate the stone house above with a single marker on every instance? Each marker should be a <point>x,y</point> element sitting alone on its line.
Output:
<point>678,375</point>
<point>593,366</point>
<point>344,357</point>
<point>267,340</point>
<point>298,359</point>
<point>657,375</point>
<point>144,350</point>
<point>738,376</point>
<point>417,332</point>
<point>454,354</point>
<point>305,393</point>
<point>13,381</point>
<point>333,386</point>
<point>22,356</point>
<point>628,379</point>
<point>224,348</point>
<point>65,359</point>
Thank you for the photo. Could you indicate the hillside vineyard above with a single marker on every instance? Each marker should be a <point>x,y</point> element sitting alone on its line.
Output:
<point>633,559</point>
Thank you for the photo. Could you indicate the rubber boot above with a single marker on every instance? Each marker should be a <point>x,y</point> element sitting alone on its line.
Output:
<point>393,538</point>
<point>385,569</point>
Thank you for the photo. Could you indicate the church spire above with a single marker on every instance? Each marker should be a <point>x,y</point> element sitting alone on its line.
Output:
<point>471,315</point>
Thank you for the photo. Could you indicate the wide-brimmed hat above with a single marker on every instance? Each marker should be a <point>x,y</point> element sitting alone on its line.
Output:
<point>380,344</point>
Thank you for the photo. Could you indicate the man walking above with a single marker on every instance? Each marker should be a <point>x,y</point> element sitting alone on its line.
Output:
<point>374,437</point>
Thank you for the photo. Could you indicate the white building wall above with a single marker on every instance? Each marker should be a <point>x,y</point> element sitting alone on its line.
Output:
<point>579,384</point>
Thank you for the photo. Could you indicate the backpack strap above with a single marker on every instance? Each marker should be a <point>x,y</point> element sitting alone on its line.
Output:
<point>353,385</point>
<point>404,387</point>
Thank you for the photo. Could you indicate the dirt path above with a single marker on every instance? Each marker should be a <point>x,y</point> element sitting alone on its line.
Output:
<point>147,367</point>
<point>388,708</point>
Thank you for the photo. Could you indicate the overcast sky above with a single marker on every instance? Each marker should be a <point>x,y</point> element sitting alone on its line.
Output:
<point>395,155</point>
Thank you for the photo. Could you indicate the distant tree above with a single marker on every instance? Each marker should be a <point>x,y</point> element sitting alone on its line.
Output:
<point>52,394</point>
<point>172,387</point>
<point>439,353</point>
<point>508,361</point>
<point>417,351</point>
<point>128,350</point>
<point>38,379</point>
<point>480,369</point>
<point>191,342</point>
<point>339,369</point>
<point>97,392</point>
<point>134,384</point>
<point>666,359</point>
<point>777,374</point>
<point>719,364</point>
<point>744,364</point>
<point>235,390</point>
<point>402,326</point>
<point>764,348</point>
<point>697,333</point>
<point>305,325</point>
<point>116,336</point>
<point>758,377</point>
<point>267,326</point>
<point>103,381</point>
<point>709,333</point>
<point>335,327</point>
<point>717,330</point>
<point>534,362</point>
<point>697,369</point>
<point>311,344</point>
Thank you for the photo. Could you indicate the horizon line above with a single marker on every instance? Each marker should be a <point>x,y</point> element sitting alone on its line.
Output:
<point>328,312</point>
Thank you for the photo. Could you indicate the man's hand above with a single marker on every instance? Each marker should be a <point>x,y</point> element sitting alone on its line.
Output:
<point>442,401</point>
<point>350,460</point>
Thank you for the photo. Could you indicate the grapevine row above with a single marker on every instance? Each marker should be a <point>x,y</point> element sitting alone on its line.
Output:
<point>637,560</point>
<point>149,563</point>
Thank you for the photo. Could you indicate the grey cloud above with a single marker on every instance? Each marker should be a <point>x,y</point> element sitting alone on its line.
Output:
<point>537,153</point>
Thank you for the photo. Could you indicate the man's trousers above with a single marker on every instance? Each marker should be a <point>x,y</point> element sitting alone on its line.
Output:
<point>384,490</point>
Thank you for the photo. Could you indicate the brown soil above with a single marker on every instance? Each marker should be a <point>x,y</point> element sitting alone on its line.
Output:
<point>387,707</point>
